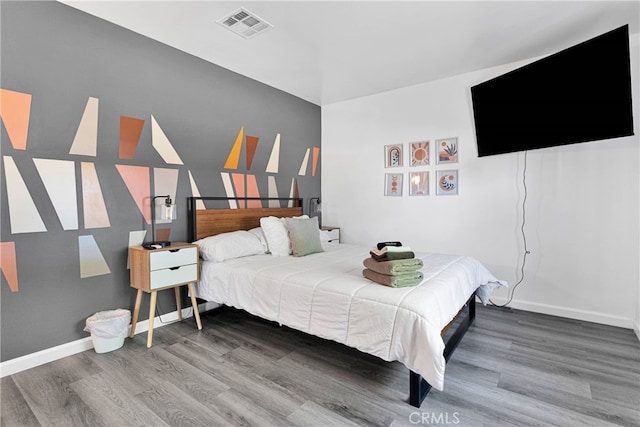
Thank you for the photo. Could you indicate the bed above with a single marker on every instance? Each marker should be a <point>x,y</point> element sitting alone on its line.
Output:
<point>325,294</point>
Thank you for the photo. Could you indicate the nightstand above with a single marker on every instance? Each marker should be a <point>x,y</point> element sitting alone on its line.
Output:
<point>154,270</point>
<point>330,234</point>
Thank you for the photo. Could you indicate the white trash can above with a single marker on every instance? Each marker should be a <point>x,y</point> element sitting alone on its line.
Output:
<point>108,329</point>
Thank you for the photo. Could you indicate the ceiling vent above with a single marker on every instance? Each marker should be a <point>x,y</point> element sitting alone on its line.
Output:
<point>244,23</point>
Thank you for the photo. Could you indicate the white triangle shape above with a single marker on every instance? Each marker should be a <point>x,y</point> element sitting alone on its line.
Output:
<point>23,214</point>
<point>305,162</point>
<point>92,262</point>
<point>274,158</point>
<point>86,139</point>
<point>163,146</point>
<point>59,179</point>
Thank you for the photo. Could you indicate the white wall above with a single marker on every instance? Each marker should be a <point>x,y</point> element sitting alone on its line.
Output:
<point>582,210</point>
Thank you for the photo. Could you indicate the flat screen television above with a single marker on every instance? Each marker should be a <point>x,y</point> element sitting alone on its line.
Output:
<point>580,94</point>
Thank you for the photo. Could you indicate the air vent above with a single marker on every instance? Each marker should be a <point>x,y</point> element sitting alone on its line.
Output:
<point>244,23</point>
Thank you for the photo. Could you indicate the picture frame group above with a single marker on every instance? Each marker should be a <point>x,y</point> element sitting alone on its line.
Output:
<point>446,152</point>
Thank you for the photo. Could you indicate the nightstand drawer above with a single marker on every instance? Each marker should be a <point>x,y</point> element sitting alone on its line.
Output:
<point>172,276</point>
<point>168,258</point>
<point>330,234</point>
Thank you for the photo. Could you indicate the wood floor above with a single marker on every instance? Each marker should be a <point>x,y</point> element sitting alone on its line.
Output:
<point>512,368</point>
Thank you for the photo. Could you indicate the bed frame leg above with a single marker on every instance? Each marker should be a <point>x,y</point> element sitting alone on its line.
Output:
<point>418,387</point>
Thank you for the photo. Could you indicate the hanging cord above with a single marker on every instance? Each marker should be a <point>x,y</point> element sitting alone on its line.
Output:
<point>160,316</point>
<point>524,237</point>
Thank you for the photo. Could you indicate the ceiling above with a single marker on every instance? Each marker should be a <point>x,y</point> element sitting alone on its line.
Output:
<point>331,51</point>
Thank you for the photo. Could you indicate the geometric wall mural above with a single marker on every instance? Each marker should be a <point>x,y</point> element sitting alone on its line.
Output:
<point>272,165</point>
<point>136,238</point>
<point>136,178</point>
<point>303,166</point>
<point>130,130</point>
<point>245,186</point>
<point>294,193</point>
<point>228,189</point>
<point>93,206</point>
<point>234,155</point>
<point>86,139</point>
<point>163,146</point>
<point>8,264</point>
<point>251,146</point>
<point>253,191</point>
<point>162,234</point>
<point>23,214</point>
<point>92,262</point>
<point>316,157</point>
<point>15,109</point>
<point>59,179</point>
<point>238,185</point>
<point>273,192</point>
<point>195,192</point>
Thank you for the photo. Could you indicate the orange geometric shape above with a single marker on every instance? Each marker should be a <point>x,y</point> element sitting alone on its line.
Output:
<point>252,191</point>
<point>15,109</point>
<point>162,234</point>
<point>316,157</point>
<point>238,184</point>
<point>8,264</point>
<point>130,130</point>
<point>252,144</point>
<point>234,155</point>
<point>137,180</point>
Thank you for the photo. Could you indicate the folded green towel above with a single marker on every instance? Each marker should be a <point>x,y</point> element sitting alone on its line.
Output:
<point>395,267</point>
<point>400,281</point>
<point>390,256</point>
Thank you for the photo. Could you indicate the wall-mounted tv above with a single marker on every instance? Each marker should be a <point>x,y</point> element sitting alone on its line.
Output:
<point>580,94</point>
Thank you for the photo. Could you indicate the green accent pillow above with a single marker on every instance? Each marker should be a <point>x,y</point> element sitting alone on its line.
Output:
<point>304,235</point>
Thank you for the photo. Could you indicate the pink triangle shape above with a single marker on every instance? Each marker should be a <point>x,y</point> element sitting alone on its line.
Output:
<point>136,178</point>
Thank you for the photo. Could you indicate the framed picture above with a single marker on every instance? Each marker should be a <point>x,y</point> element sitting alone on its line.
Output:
<point>447,150</point>
<point>419,184</point>
<point>447,182</point>
<point>419,153</point>
<point>393,156</point>
<point>393,184</point>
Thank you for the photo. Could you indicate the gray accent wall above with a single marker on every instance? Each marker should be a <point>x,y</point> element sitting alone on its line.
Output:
<point>62,56</point>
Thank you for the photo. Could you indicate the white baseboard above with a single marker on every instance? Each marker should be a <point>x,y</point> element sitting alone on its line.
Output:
<point>47,355</point>
<point>636,329</point>
<point>587,316</point>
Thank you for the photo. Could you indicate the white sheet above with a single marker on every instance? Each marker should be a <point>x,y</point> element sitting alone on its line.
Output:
<point>326,295</point>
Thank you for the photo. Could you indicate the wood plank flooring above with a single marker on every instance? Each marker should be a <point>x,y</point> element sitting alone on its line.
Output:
<point>512,368</point>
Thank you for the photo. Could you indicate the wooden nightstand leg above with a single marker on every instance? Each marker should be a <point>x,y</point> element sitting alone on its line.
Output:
<point>152,314</point>
<point>178,302</point>
<point>194,304</point>
<point>136,312</point>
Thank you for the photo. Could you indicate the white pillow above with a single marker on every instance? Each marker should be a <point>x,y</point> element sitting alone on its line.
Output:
<point>275,230</point>
<point>260,235</point>
<point>230,245</point>
<point>277,236</point>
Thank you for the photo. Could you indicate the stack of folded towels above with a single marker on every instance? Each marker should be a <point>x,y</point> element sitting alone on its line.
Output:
<point>393,265</point>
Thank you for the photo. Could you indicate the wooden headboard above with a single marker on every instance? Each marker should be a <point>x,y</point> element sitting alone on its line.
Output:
<point>210,222</point>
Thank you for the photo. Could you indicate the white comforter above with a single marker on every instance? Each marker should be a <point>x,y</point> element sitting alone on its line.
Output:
<point>325,294</point>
